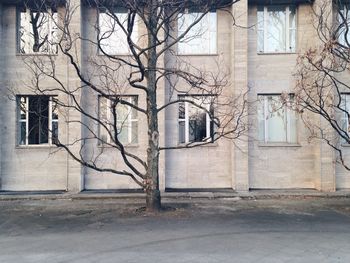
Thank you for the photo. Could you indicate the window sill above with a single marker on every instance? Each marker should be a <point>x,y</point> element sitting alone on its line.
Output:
<point>115,55</point>
<point>132,145</point>
<point>198,55</point>
<point>278,144</point>
<point>36,55</point>
<point>345,145</point>
<point>198,144</point>
<point>36,146</point>
<point>275,53</point>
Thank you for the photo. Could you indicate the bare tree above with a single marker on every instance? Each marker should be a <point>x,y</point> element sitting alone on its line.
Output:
<point>323,78</point>
<point>128,87</point>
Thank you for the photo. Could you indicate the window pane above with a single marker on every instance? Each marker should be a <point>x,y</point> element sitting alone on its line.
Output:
<point>112,36</point>
<point>55,132</point>
<point>22,133</point>
<point>292,127</point>
<point>276,29</point>
<point>260,28</point>
<point>276,120</point>
<point>134,132</point>
<point>261,118</point>
<point>182,110</point>
<point>123,130</point>
<point>37,31</point>
<point>201,38</point>
<point>38,119</point>
<point>197,124</point>
<point>292,28</point>
<point>134,111</point>
<point>182,138</point>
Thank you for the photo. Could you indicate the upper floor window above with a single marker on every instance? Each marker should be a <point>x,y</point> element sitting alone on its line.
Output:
<point>202,36</point>
<point>119,118</point>
<point>37,31</point>
<point>113,32</point>
<point>196,119</point>
<point>37,118</point>
<point>343,25</point>
<point>277,122</point>
<point>276,28</point>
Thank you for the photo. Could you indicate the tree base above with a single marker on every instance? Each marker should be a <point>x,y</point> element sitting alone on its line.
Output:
<point>153,201</point>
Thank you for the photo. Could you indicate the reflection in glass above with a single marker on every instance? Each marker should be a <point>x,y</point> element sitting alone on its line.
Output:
<point>37,32</point>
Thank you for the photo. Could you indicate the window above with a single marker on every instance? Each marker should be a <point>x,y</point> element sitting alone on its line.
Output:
<point>201,38</point>
<point>37,31</point>
<point>195,124</point>
<point>118,112</point>
<point>277,122</point>
<point>113,40</point>
<point>276,28</point>
<point>343,30</point>
<point>37,120</point>
<point>345,105</point>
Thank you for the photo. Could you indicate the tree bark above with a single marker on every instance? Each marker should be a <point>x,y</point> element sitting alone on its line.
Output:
<point>153,201</point>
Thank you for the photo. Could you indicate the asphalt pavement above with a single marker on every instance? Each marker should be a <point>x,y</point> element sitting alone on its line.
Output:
<point>188,230</point>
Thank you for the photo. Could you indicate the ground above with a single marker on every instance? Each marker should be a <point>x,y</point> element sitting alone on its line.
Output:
<point>189,230</point>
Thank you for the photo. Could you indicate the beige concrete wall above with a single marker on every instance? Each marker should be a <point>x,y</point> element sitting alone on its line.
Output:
<point>221,165</point>
<point>205,166</point>
<point>24,168</point>
<point>1,89</point>
<point>278,166</point>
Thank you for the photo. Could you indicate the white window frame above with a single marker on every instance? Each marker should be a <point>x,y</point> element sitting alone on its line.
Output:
<point>186,41</point>
<point>134,35</point>
<point>52,31</point>
<point>264,98</point>
<point>130,120</point>
<point>26,120</point>
<point>263,29</point>
<point>186,119</point>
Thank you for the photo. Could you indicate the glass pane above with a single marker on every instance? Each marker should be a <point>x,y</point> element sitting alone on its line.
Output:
<point>261,118</point>
<point>197,123</point>
<point>123,112</point>
<point>134,132</point>
<point>201,38</point>
<point>276,120</point>
<point>38,119</point>
<point>276,29</point>
<point>54,110</point>
<point>123,132</point>
<point>292,40</point>
<point>112,36</point>
<point>292,28</point>
<point>55,132</point>
<point>182,138</point>
<point>22,105</point>
<point>134,101</point>
<point>37,30</point>
<point>260,41</point>
<point>22,133</point>
<point>181,110</point>
<point>293,127</point>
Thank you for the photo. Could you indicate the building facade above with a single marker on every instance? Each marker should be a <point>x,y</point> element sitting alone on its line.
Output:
<point>260,55</point>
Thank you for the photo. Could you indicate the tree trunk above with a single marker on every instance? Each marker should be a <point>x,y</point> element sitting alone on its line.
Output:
<point>153,202</point>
